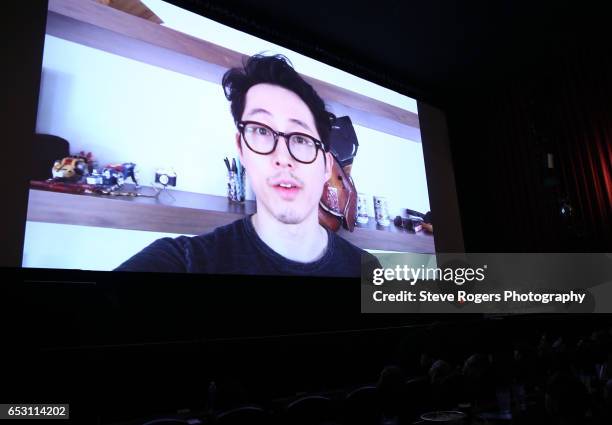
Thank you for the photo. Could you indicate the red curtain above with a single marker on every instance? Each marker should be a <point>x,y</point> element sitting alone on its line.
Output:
<point>584,143</point>
<point>561,106</point>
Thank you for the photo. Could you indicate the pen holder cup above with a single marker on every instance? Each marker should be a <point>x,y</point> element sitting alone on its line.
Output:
<point>235,187</point>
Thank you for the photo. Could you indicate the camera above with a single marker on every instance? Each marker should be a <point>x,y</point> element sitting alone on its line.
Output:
<point>165,177</point>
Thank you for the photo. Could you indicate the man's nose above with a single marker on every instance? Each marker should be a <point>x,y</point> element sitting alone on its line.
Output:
<point>282,157</point>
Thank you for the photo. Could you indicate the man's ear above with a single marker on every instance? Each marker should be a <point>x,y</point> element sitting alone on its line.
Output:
<point>329,164</point>
<point>239,147</point>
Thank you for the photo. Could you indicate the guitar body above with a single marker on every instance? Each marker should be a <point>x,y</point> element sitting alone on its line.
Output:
<point>338,205</point>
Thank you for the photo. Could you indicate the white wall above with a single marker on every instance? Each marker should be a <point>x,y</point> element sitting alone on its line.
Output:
<point>64,246</point>
<point>389,166</point>
<point>123,110</point>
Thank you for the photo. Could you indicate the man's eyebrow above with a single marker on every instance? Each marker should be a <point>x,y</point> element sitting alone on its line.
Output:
<point>265,111</point>
<point>257,111</point>
<point>300,123</point>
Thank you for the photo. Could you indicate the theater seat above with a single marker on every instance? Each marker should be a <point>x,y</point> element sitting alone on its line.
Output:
<point>309,410</point>
<point>243,415</point>
<point>361,406</point>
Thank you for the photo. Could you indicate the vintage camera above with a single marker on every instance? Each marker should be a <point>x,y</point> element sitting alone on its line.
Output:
<point>165,177</point>
<point>412,224</point>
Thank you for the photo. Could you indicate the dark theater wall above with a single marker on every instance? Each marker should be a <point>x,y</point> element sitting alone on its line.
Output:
<point>501,135</point>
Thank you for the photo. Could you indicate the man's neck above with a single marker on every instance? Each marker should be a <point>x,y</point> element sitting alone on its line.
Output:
<point>304,242</point>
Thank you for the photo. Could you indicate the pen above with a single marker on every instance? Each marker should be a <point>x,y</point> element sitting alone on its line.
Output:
<point>234,165</point>
<point>238,176</point>
<point>242,172</point>
<point>227,164</point>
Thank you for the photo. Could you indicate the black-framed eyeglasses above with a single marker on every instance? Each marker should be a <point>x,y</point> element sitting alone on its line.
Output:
<point>263,140</point>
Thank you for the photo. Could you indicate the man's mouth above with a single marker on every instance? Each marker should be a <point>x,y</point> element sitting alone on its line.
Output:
<point>287,189</point>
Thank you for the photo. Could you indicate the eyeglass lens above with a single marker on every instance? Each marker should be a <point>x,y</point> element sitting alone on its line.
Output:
<point>262,139</point>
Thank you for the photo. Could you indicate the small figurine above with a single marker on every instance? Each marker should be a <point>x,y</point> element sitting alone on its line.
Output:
<point>116,174</point>
<point>70,169</point>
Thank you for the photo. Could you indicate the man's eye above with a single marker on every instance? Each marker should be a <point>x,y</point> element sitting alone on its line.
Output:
<point>262,131</point>
<point>302,140</point>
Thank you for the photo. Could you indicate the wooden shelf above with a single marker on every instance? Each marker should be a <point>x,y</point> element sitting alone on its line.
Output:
<point>102,27</point>
<point>189,213</point>
<point>391,238</point>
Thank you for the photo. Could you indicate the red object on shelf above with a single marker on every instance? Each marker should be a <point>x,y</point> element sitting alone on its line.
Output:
<point>57,186</point>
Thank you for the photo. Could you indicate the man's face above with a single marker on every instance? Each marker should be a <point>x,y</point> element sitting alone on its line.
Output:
<point>289,190</point>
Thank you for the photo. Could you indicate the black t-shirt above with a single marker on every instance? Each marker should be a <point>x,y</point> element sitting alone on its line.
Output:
<point>237,249</point>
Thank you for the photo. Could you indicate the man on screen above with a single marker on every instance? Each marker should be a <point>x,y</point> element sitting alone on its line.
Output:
<point>283,142</point>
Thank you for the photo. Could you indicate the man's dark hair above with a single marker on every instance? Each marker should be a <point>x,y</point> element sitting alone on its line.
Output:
<point>275,70</point>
